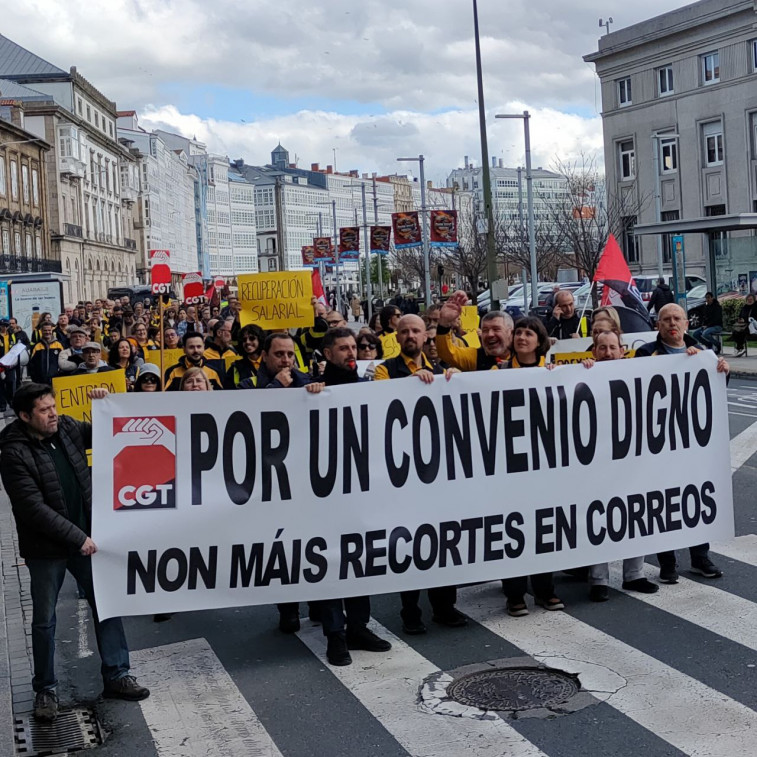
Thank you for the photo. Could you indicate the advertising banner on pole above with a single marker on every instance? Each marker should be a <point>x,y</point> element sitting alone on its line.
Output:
<point>324,250</point>
<point>443,228</point>
<point>349,243</point>
<point>160,271</point>
<point>278,300</point>
<point>261,497</point>
<point>381,237</point>
<point>407,230</point>
<point>308,256</point>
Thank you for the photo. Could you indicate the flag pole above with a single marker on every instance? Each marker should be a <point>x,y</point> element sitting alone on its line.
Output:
<point>586,304</point>
<point>160,326</point>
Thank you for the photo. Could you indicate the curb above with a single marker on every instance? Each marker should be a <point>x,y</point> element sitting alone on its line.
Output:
<point>7,741</point>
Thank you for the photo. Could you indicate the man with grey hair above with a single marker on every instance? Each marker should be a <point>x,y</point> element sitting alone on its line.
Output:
<point>496,338</point>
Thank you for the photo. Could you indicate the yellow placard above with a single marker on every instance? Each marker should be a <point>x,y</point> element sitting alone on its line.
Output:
<point>568,358</point>
<point>71,391</point>
<point>390,345</point>
<point>170,357</point>
<point>469,318</point>
<point>276,300</point>
<point>230,360</point>
<point>471,339</point>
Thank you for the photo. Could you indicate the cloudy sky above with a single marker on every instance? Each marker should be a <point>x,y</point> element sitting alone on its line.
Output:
<point>369,79</point>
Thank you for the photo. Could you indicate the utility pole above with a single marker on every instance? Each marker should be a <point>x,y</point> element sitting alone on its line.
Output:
<point>378,255</point>
<point>280,223</point>
<point>491,251</point>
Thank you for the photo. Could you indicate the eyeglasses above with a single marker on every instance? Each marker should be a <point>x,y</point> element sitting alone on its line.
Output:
<point>249,338</point>
<point>333,323</point>
<point>366,346</point>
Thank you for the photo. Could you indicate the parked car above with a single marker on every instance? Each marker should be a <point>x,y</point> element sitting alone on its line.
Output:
<point>695,303</point>
<point>646,284</point>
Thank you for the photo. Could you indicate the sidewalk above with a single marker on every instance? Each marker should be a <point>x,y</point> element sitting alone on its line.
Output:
<point>16,695</point>
<point>742,367</point>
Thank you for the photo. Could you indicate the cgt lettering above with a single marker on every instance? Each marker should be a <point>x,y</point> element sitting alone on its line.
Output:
<point>144,497</point>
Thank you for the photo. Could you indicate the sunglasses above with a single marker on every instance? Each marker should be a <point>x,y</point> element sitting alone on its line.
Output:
<point>150,380</point>
<point>366,346</point>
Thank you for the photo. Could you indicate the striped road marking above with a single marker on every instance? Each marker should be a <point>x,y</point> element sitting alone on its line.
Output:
<point>387,685</point>
<point>194,707</point>
<point>743,447</point>
<point>692,717</point>
<point>705,605</point>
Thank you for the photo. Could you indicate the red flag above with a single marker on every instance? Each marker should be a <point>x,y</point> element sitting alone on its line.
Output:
<point>619,289</point>
<point>318,287</point>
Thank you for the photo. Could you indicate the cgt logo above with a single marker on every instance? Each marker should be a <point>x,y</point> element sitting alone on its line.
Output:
<point>144,467</point>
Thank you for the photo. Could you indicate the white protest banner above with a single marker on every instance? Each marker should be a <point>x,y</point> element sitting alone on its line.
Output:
<point>265,496</point>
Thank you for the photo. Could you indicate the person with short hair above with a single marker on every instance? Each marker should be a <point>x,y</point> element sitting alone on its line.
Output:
<point>92,362</point>
<point>564,323</point>
<point>195,380</point>
<point>43,465</point>
<point>194,347</point>
<point>672,339</point>
<point>43,362</point>
<point>496,337</point>
<point>69,360</point>
<point>712,324</point>
<point>218,347</point>
<point>607,345</point>
<point>171,338</point>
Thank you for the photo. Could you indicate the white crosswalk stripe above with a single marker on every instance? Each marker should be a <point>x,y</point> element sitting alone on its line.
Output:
<point>742,548</point>
<point>387,686</point>
<point>678,708</point>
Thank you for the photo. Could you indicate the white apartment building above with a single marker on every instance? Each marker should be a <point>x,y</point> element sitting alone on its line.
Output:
<point>165,186</point>
<point>86,207</point>
<point>225,223</point>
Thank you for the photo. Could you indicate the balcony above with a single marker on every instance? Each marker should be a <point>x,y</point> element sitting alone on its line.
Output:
<point>22,264</point>
<point>71,166</point>
<point>72,230</point>
<point>130,244</point>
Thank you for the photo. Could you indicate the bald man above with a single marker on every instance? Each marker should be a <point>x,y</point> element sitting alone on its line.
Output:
<point>672,339</point>
<point>411,336</point>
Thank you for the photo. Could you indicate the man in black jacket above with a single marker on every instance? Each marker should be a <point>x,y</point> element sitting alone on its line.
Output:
<point>712,323</point>
<point>345,621</point>
<point>44,471</point>
<point>564,322</point>
<point>672,339</point>
<point>660,297</point>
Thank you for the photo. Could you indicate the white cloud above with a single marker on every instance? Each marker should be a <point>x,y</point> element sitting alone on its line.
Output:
<point>374,143</point>
<point>413,59</point>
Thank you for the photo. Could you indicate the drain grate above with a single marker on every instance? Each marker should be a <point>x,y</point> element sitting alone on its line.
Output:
<point>72,731</point>
<point>513,689</point>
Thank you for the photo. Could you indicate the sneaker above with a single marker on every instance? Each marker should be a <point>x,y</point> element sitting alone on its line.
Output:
<point>336,650</point>
<point>452,618</point>
<point>643,585</point>
<point>414,628</point>
<point>364,638</point>
<point>705,567</point>
<point>553,603</point>
<point>599,593</point>
<point>516,609</point>
<point>46,706</point>
<point>289,622</point>
<point>669,574</point>
<point>125,688</point>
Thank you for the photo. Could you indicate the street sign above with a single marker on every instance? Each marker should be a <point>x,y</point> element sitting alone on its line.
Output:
<point>679,269</point>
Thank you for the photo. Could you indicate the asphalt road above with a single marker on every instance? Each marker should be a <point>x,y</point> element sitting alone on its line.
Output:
<point>671,674</point>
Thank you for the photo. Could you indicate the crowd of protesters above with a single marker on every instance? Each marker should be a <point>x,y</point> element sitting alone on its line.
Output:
<point>221,354</point>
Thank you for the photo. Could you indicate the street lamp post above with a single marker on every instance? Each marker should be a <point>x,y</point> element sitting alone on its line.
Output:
<point>336,254</point>
<point>526,116</point>
<point>367,242</point>
<point>424,229</point>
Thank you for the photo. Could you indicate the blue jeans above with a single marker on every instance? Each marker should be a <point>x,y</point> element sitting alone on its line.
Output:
<point>46,579</point>
<point>705,335</point>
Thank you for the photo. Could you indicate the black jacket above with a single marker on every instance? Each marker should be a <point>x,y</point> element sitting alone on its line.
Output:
<point>264,380</point>
<point>661,296</point>
<point>563,328</point>
<point>655,348</point>
<point>32,483</point>
<point>333,376</point>
<point>712,315</point>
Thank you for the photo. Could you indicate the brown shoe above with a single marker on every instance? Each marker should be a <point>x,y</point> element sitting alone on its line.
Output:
<point>125,688</point>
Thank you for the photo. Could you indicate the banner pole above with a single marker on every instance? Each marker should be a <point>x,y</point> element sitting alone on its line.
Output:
<point>160,326</point>
<point>586,304</point>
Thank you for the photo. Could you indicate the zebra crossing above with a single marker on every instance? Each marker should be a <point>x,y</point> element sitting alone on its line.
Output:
<point>653,691</point>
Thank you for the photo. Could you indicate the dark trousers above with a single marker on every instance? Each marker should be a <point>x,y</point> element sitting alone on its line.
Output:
<point>541,583</point>
<point>46,579</point>
<point>668,559</point>
<point>8,387</point>
<point>442,599</point>
<point>351,613</point>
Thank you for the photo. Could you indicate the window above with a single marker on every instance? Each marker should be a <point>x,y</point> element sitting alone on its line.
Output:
<point>89,114</point>
<point>3,188</point>
<point>29,246</point>
<point>754,55</point>
<point>669,154</point>
<point>78,105</point>
<point>630,242</point>
<point>665,81</point>
<point>35,186</point>
<point>68,136</point>
<point>97,119</point>
<point>713,143</point>
<point>25,183</point>
<point>17,241</point>
<point>6,248</point>
<point>110,128</point>
<point>627,156</point>
<point>38,246</point>
<point>711,68</point>
<point>624,91</point>
<point>14,180</point>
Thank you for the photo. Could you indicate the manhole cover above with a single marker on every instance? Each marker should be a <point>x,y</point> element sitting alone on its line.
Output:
<point>73,730</point>
<point>513,689</point>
